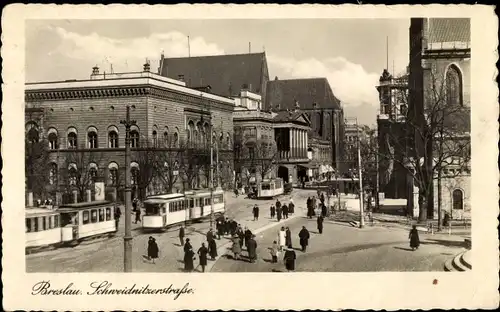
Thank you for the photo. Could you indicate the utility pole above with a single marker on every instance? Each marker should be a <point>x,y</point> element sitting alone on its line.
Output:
<point>360,173</point>
<point>377,182</point>
<point>127,238</point>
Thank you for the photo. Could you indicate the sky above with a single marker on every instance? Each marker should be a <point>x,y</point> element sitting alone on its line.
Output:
<point>350,53</point>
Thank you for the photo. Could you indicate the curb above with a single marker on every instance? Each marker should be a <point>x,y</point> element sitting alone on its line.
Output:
<point>222,250</point>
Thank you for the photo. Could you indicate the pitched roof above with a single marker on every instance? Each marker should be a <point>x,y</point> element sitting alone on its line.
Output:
<point>448,30</point>
<point>290,116</point>
<point>226,74</point>
<point>305,91</point>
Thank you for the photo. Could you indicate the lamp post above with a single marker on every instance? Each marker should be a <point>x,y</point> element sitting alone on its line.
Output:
<point>360,175</point>
<point>127,238</point>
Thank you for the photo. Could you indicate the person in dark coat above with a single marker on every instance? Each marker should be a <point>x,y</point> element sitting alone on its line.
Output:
<point>210,235</point>
<point>248,236</point>
<point>291,207</point>
<point>278,213</point>
<point>241,235</point>
<point>234,227</point>
<point>181,235</point>
<point>320,224</point>
<point>202,253</point>
<point>212,249</point>
<point>414,239</point>
<point>220,228</point>
<point>322,198</point>
<point>309,207</point>
<point>152,249</point>
<point>188,259</point>
<point>289,259</point>
<point>134,205</point>
<point>278,204</point>
<point>252,249</point>
<point>138,215</point>
<point>236,247</point>
<point>288,237</point>
<point>255,213</point>
<point>226,226</point>
<point>118,214</point>
<point>285,211</point>
<point>323,210</point>
<point>187,245</point>
<point>304,238</point>
<point>273,211</point>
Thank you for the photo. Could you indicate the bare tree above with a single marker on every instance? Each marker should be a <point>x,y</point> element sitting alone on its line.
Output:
<point>437,137</point>
<point>168,157</point>
<point>145,156</point>
<point>259,155</point>
<point>36,158</point>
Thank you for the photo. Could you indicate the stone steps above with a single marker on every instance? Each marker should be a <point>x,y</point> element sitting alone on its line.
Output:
<point>459,263</point>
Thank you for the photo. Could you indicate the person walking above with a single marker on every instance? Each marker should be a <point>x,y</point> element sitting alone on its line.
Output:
<point>248,236</point>
<point>220,228</point>
<point>309,204</point>
<point>255,213</point>
<point>282,238</point>
<point>226,226</point>
<point>118,214</point>
<point>202,253</point>
<point>236,248</point>
<point>323,210</point>
<point>291,207</point>
<point>252,249</point>
<point>304,238</point>
<point>241,235</point>
<point>188,259</point>
<point>187,245</point>
<point>137,215</point>
<point>153,249</point>
<point>288,237</point>
<point>320,224</point>
<point>182,234</point>
<point>285,211</point>
<point>278,213</point>
<point>210,235</point>
<point>273,211</point>
<point>289,259</point>
<point>274,250</point>
<point>212,249</point>
<point>414,239</point>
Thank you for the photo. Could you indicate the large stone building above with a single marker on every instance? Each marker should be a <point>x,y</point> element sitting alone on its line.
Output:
<point>314,97</point>
<point>440,52</point>
<point>82,117</point>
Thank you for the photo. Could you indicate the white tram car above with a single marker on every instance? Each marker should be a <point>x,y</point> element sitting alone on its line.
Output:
<point>69,224</point>
<point>270,188</point>
<point>165,210</point>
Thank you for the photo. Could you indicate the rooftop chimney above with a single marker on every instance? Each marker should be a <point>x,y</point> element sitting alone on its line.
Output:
<point>95,70</point>
<point>181,77</point>
<point>147,66</point>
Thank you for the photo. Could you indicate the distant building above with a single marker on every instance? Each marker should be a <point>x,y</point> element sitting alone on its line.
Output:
<point>314,97</point>
<point>440,52</point>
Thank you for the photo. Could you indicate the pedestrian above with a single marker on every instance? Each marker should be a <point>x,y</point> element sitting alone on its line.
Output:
<point>289,259</point>
<point>210,235</point>
<point>285,211</point>
<point>188,259</point>
<point>226,226</point>
<point>182,234</point>
<point>134,205</point>
<point>241,235</point>
<point>309,204</point>
<point>273,211</point>
<point>234,226</point>
<point>282,238</point>
<point>323,210</point>
<point>187,245</point>
<point>320,224</point>
<point>414,239</point>
<point>236,248</point>
<point>288,237</point>
<point>304,238</point>
<point>252,249</point>
<point>118,214</point>
<point>220,228</point>
<point>278,213</point>
<point>278,204</point>
<point>212,249</point>
<point>274,250</point>
<point>291,207</point>
<point>322,198</point>
<point>248,236</point>
<point>202,253</point>
<point>152,249</point>
<point>137,215</point>
<point>255,213</point>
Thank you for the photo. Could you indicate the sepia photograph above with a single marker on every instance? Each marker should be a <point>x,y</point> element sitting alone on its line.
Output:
<point>192,146</point>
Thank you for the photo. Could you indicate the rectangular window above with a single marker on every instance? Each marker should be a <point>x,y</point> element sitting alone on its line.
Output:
<point>35,223</point>
<point>93,215</point>
<point>108,214</point>
<point>86,217</point>
<point>51,222</point>
<point>56,221</point>
<point>101,214</point>
<point>28,225</point>
<point>44,223</point>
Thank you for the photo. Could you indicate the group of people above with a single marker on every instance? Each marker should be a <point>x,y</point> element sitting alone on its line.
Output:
<point>203,252</point>
<point>311,204</point>
<point>282,211</point>
<point>226,226</point>
<point>244,238</point>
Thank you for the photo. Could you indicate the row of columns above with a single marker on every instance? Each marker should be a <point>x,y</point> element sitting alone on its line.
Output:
<point>298,143</point>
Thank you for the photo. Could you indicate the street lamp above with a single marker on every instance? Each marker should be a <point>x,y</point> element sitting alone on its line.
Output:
<point>127,238</point>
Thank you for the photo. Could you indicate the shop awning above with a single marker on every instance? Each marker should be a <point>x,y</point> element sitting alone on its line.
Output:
<point>323,169</point>
<point>330,169</point>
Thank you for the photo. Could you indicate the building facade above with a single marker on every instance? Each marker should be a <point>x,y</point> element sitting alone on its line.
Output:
<point>440,52</point>
<point>82,117</point>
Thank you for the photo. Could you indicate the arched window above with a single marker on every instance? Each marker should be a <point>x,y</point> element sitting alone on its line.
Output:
<point>228,141</point>
<point>53,174</point>
<point>113,174</point>
<point>458,199</point>
<point>165,139</point>
<point>134,137</point>
<point>32,133</point>
<point>72,174</point>
<point>53,138</point>
<point>92,137</point>
<point>72,138</point>
<point>221,140</point>
<point>113,137</point>
<point>190,132</point>
<point>92,172</point>
<point>155,138</point>
<point>176,139</point>
<point>453,86</point>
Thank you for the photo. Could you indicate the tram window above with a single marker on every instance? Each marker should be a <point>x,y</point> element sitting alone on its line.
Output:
<point>86,217</point>
<point>44,224</point>
<point>266,187</point>
<point>51,222</point>
<point>56,221</point>
<point>108,214</point>
<point>93,216</point>
<point>191,203</point>
<point>101,215</point>
<point>35,222</point>
<point>164,208</point>
<point>28,225</point>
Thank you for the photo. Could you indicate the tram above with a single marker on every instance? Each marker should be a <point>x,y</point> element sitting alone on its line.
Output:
<point>68,224</point>
<point>165,210</point>
<point>270,188</point>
